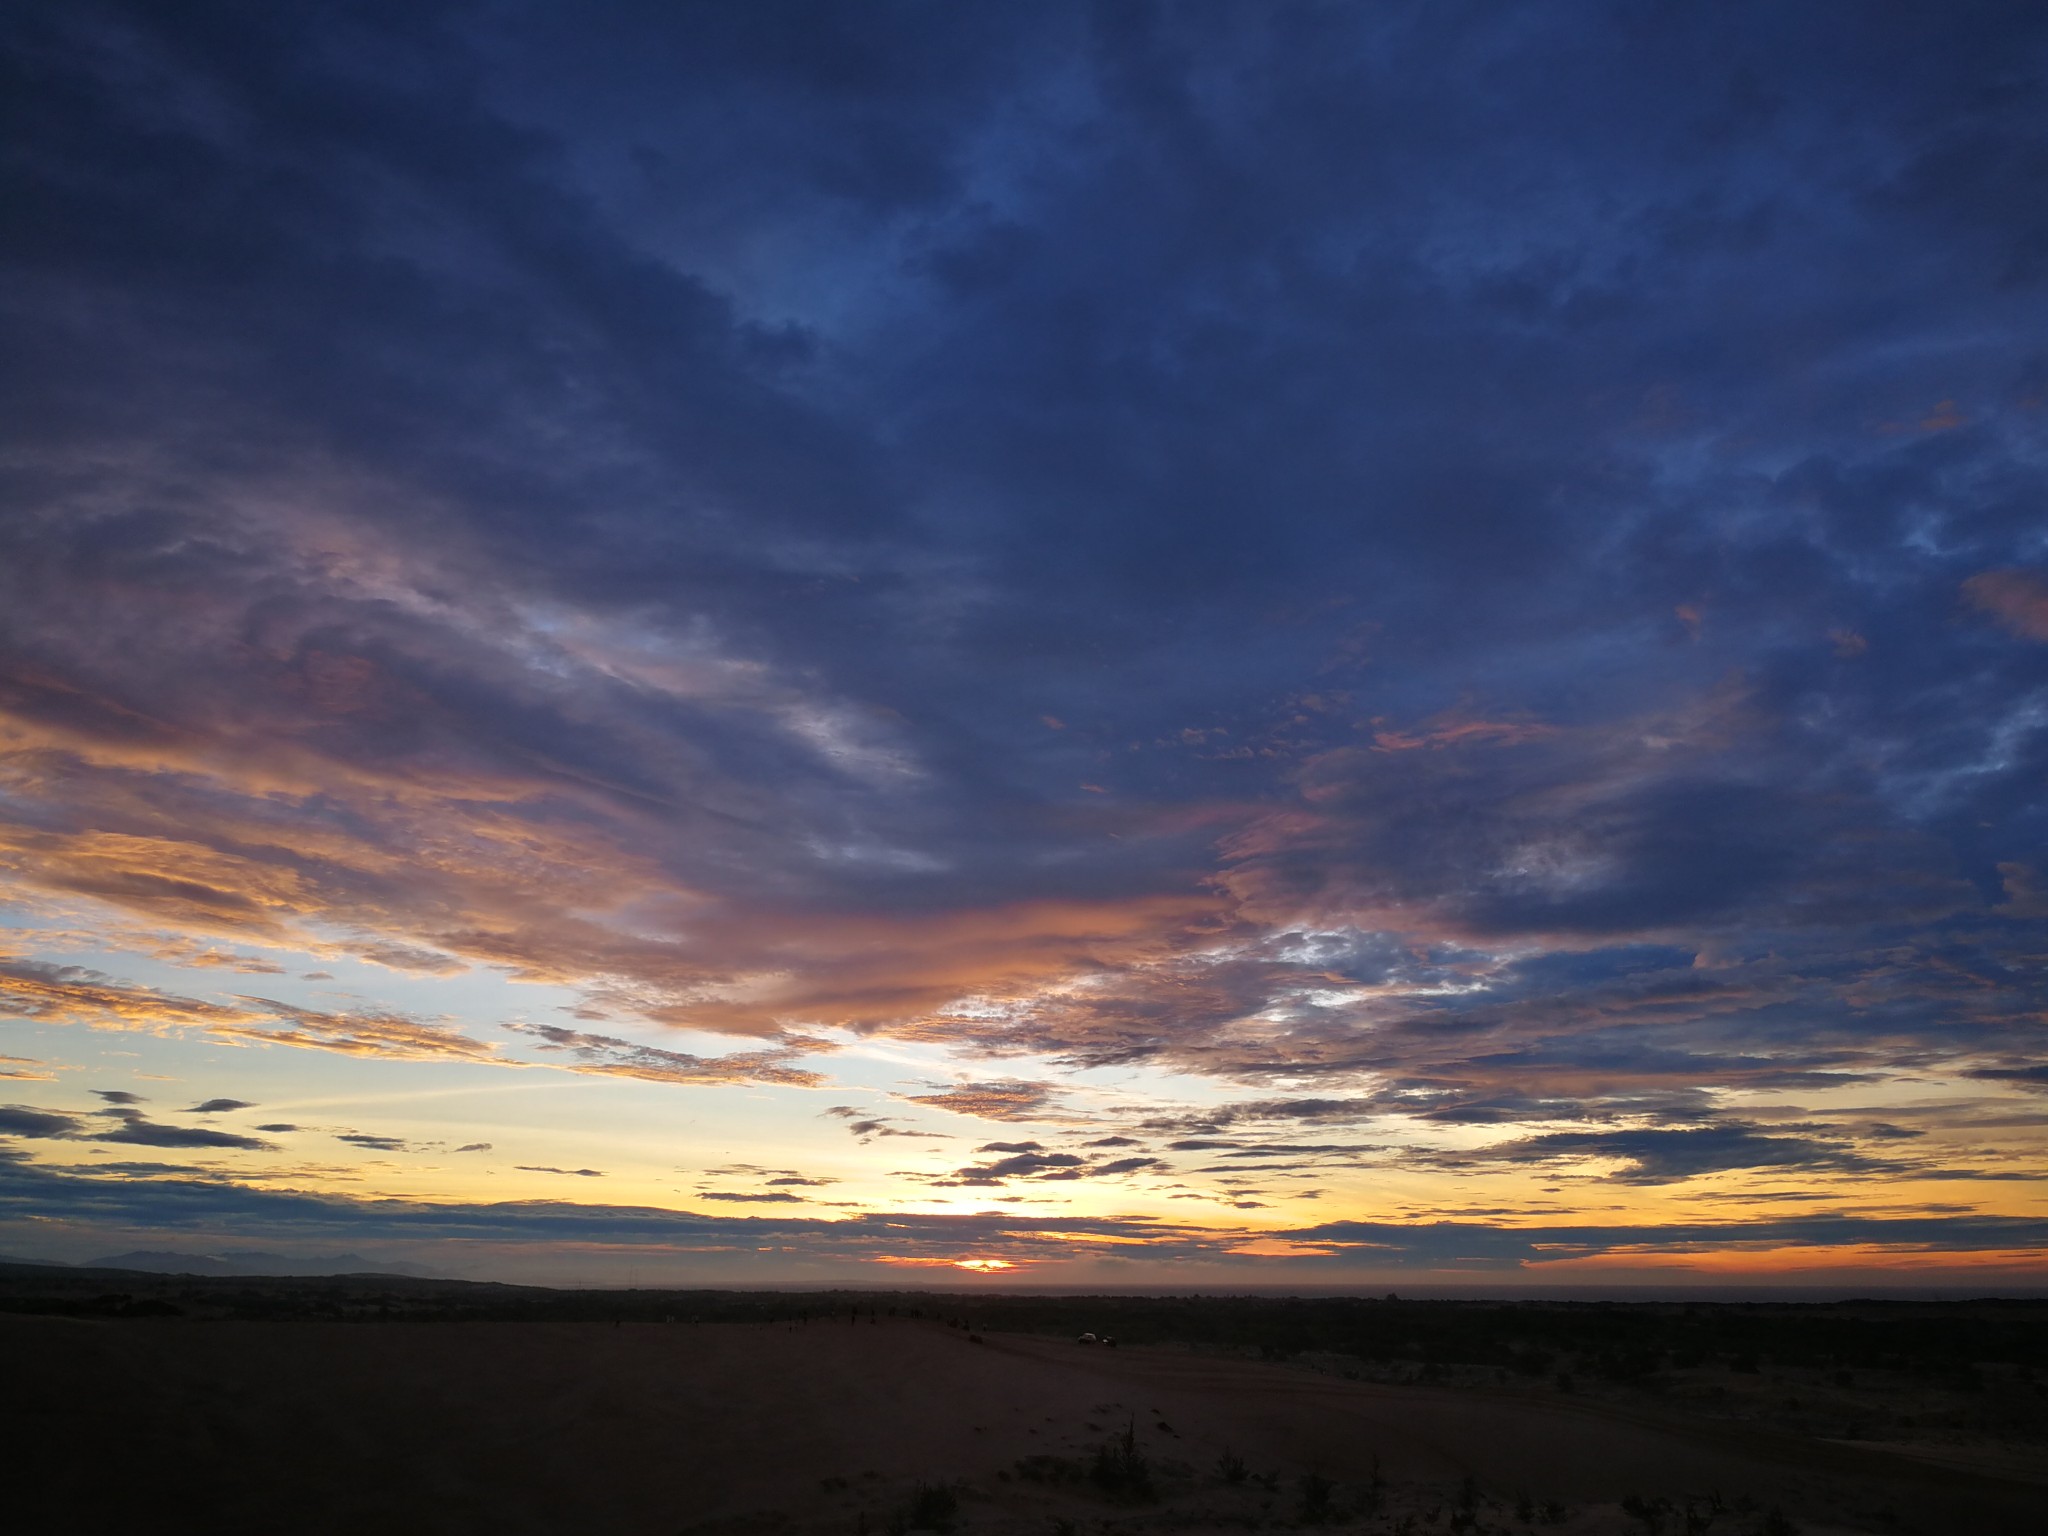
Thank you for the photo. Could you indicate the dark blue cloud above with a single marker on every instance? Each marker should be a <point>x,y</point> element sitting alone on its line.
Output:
<point>22,1120</point>
<point>1662,1156</point>
<point>136,1129</point>
<point>374,1143</point>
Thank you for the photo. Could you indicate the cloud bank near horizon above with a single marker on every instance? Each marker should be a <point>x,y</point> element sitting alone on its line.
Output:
<point>561,1237</point>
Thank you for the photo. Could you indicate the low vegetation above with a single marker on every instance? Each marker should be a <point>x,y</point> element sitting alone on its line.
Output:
<point>1930,1376</point>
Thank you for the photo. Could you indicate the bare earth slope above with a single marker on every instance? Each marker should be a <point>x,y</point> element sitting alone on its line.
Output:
<point>830,1427</point>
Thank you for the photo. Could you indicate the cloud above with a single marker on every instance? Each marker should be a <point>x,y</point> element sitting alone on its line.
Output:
<point>1456,729</point>
<point>405,957</point>
<point>374,1143</point>
<point>1125,1165</point>
<point>992,1177</point>
<point>1669,1156</point>
<point>864,1127</point>
<point>219,1106</point>
<point>138,1130</point>
<point>1010,1099</point>
<point>1030,1160</point>
<point>69,992</point>
<point>185,952</point>
<point>607,1055</point>
<point>739,1198</point>
<point>21,1120</point>
<point>2017,599</point>
<point>118,1096</point>
<point>362,1032</point>
<point>36,989</point>
<point>577,1173</point>
<point>474,1146</point>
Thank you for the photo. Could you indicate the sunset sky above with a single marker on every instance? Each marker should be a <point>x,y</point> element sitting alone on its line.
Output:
<point>1143,644</point>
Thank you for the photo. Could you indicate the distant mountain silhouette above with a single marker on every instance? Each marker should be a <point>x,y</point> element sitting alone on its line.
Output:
<point>162,1263</point>
<point>252,1264</point>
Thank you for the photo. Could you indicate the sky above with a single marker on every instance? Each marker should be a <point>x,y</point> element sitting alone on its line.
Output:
<point>1140,644</point>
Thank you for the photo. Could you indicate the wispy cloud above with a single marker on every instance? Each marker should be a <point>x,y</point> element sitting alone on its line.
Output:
<point>1009,1099</point>
<point>606,1054</point>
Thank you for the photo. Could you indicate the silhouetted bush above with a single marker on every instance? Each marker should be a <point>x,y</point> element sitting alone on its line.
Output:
<point>1317,1498</point>
<point>932,1507</point>
<point>1120,1467</point>
<point>1648,1513</point>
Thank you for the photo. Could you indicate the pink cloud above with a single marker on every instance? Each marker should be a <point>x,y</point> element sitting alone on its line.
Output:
<point>2017,599</point>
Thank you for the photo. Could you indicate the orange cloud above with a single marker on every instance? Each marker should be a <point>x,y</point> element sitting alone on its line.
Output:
<point>365,1033</point>
<point>1010,1100</point>
<point>447,862</point>
<point>1729,1257</point>
<point>1456,730</point>
<point>71,995</point>
<point>1945,417</point>
<point>2017,599</point>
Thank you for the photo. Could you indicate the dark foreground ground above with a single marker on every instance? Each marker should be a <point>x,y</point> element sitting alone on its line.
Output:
<point>354,1405</point>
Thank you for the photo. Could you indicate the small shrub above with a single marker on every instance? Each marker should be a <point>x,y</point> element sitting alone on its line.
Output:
<point>932,1507</point>
<point>1648,1513</point>
<point>1120,1467</point>
<point>1375,1488</point>
<point>1317,1496</point>
<point>1231,1468</point>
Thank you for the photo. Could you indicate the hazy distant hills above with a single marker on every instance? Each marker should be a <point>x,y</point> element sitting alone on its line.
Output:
<point>253,1264</point>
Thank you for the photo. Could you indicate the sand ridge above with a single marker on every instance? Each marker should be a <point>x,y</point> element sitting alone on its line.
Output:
<point>832,1426</point>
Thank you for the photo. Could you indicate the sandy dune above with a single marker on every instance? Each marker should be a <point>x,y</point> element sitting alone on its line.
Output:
<point>828,1426</point>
